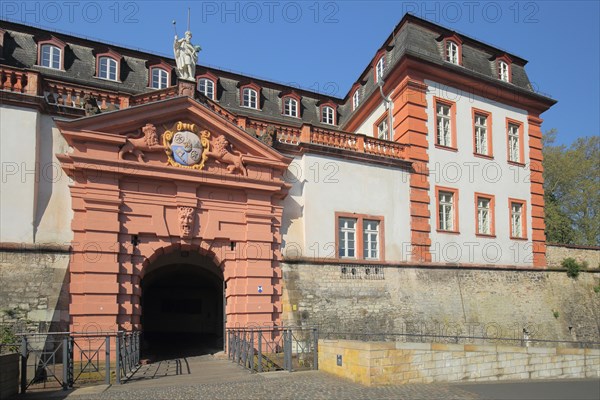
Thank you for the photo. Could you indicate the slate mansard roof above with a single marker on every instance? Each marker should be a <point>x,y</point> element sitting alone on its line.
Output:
<point>412,36</point>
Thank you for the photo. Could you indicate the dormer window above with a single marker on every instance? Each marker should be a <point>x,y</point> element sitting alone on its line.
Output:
<point>159,74</point>
<point>207,85</point>
<point>108,68</point>
<point>503,68</point>
<point>355,99</point>
<point>503,71</point>
<point>452,52</point>
<point>51,56</point>
<point>250,96</point>
<point>452,49</point>
<point>379,69</point>
<point>51,53</point>
<point>108,65</point>
<point>290,107</point>
<point>160,78</point>
<point>328,113</point>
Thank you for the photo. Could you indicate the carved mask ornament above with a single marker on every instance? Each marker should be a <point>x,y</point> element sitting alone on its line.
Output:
<point>186,221</point>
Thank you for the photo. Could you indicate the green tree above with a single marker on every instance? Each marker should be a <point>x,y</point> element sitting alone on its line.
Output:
<point>572,190</point>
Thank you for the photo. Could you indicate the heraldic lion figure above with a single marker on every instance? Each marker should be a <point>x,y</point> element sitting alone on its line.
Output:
<point>146,143</point>
<point>223,155</point>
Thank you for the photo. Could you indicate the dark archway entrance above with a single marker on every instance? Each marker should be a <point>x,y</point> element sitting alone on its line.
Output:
<point>182,308</point>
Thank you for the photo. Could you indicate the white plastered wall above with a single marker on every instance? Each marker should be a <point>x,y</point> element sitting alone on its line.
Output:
<point>35,205</point>
<point>322,186</point>
<point>366,128</point>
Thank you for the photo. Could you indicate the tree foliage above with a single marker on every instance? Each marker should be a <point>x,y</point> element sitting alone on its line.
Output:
<point>572,190</point>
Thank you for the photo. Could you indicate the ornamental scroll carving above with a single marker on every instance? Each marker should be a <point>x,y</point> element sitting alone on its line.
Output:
<point>186,221</point>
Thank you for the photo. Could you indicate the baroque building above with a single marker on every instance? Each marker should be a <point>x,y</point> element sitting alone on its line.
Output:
<point>135,199</point>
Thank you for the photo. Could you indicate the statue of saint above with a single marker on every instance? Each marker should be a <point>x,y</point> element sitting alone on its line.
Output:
<point>186,56</point>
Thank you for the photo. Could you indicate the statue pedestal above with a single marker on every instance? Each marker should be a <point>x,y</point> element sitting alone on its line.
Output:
<point>187,88</point>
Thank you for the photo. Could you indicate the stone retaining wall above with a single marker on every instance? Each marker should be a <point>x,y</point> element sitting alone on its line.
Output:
<point>383,363</point>
<point>442,301</point>
<point>555,254</point>
<point>34,292</point>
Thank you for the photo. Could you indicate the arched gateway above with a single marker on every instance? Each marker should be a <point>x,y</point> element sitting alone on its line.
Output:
<point>176,232</point>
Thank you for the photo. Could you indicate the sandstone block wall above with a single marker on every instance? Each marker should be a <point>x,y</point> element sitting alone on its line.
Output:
<point>381,363</point>
<point>442,301</point>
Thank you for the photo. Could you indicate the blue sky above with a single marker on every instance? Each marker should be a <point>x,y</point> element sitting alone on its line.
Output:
<point>325,45</point>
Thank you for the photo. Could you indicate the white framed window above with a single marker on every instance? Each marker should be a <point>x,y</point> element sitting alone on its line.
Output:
<point>347,237</point>
<point>355,100</point>
<point>206,87</point>
<point>514,145</point>
<point>107,68</point>
<point>328,115</point>
<point>452,52</point>
<point>484,225</point>
<point>516,219</point>
<point>379,69</point>
<point>382,129</point>
<point>503,71</point>
<point>443,125</point>
<point>290,107</point>
<point>50,56</point>
<point>370,239</point>
<point>250,98</point>
<point>160,78</point>
<point>446,210</point>
<point>481,134</point>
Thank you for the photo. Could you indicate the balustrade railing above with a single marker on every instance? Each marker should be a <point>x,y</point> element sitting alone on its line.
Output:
<point>18,80</point>
<point>76,96</point>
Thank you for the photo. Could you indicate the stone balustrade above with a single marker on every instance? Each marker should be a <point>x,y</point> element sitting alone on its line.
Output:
<point>19,80</point>
<point>71,95</point>
<point>157,95</point>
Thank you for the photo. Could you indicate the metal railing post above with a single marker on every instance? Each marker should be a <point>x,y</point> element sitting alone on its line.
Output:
<point>287,349</point>
<point>251,349</point>
<point>107,359</point>
<point>23,364</point>
<point>259,355</point>
<point>66,362</point>
<point>315,349</point>
<point>244,350</point>
<point>118,355</point>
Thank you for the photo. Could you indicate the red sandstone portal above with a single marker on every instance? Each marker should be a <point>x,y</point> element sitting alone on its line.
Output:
<point>134,203</point>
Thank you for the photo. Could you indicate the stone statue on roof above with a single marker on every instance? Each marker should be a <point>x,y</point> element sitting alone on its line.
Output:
<point>186,57</point>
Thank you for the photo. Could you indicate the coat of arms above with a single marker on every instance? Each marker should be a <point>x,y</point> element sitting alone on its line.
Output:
<point>185,147</point>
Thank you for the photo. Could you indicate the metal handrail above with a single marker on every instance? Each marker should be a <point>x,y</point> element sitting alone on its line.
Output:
<point>251,348</point>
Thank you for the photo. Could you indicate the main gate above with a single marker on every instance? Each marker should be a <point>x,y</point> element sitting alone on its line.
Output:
<point>136,201</point>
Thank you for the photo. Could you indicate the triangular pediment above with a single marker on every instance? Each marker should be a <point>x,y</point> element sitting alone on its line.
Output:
<point>147,135</point>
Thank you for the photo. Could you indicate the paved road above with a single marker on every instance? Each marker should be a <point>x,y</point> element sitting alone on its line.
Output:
<point>208,378</point>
